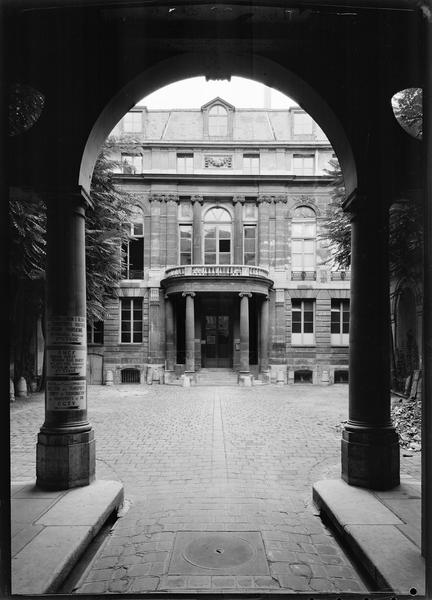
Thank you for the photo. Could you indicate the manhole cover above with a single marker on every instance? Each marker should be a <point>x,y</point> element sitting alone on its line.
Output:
<point>216,551</point>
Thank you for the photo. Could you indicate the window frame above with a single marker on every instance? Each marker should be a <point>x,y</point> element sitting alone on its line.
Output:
<point>303,171</point>
<point>299,338</point>
<point>253,227</point>
<point>181,226</point>
<point>253,168</point>
<point>131,321</point>
<point>339,338</point>
<point>212,117</point>
<point>304,238</point>
<point>134,169</point>
<point>138,237</point>
<point>217,224</point>
<point>188,158</point>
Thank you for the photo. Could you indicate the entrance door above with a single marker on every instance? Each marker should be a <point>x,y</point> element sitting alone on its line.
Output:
<point>217,334</point>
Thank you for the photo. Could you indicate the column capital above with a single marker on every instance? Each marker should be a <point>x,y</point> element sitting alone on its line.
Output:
<point>245,295</point>
<point>239,198</point>
<point>192,294</point>
<point>168,197</point>
<point>197,198</point>
<point>264,198</point>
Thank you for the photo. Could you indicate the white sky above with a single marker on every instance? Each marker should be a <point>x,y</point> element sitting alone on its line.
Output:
<point>194,92</point>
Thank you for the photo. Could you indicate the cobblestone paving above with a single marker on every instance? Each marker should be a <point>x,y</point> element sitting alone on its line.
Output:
<point>211,460</point>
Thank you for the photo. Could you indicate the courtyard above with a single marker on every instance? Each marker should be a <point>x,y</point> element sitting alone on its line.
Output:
<point>216,461</point>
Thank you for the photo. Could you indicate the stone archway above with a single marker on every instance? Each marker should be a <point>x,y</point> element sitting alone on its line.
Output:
<point>187,65</point>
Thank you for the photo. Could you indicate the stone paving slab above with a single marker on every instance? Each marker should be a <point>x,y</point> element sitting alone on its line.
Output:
<point>385,544</point>
<point>49,534</point>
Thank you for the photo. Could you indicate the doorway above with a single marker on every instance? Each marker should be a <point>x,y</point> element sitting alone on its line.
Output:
<point>217,325</point>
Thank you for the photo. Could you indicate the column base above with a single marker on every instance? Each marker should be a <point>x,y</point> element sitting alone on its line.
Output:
<point>66,460</point>
<point>245,378</point>
<point>370,457</point>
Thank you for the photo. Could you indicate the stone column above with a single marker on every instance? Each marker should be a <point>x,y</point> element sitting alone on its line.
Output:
<point>244,331</point>
<point>197,202</point>
<point>264,347</point>
<point>370,450</point>
<point>238,229</point>
<point>190,332</point>
<point>65,451</point>
<point>169,329</point>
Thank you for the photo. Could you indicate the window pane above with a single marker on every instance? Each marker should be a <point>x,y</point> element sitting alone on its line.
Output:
<point>224,232</point>
<point>185,259</point>
<point>296,304</point>
<point>210,259</point>
<point>224,245</point>
<point>297,246</point>
<point>210,245</point>
<point>308,327</point>
<point>224,259</point>
<point>210,232</point>
<point>249,258</point>
<point>249,232</point>
<point>308,305</point>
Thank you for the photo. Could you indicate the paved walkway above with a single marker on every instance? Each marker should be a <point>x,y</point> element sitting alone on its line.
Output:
<point>203,460</point>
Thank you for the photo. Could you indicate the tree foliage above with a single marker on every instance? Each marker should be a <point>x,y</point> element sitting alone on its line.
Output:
<point>408,110</point>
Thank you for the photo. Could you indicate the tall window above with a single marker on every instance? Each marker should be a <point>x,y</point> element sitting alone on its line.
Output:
<point>303,164</point>
<point>303,124</point>
<point>95,332</point>
<point>185,244</point>
<point>303,236</point>
<point>249,244</point>
<point>131,163</point>
<point>131,320</point>
<point>218,121</point>
<point>217,237</point>
<point>339,322</point>
<point>303,322</point>
<point>251,163</point>
<point>132,122</point>
<point>185,162</point>
<point>134,254</point>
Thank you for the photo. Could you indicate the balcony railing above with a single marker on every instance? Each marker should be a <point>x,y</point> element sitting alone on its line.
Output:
<point>340,275</point>
<point>216,271</point>
<point>303,275</point>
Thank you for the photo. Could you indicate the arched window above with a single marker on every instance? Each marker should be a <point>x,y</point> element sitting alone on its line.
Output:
<point>303,236</point>
<point>217,237</point>
<point>218,121</point>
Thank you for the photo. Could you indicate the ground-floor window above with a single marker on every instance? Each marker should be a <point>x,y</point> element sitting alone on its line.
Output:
<point>303,322</point>
<point>131,320</point>
<point>339,322</point>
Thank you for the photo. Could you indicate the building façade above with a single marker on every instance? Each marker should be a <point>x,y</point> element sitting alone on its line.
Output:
<point>227,268</point>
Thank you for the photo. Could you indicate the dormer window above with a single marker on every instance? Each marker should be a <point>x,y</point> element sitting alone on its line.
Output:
<point>218,121</point>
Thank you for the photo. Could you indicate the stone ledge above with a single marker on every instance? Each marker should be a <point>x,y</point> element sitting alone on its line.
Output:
<point>54,535</point>
<point>372,532</point>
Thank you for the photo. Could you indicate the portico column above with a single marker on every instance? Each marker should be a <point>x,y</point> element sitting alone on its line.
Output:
<point>244,331</point>
<point>264,350</point>
<point>65,451</point>
<point>190,331</point>
<point>197,229</point>
<point>370,450</point>
<point>169,328</point>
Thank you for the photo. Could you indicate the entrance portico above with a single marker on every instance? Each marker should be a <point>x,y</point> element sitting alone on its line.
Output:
<point>217,317</point>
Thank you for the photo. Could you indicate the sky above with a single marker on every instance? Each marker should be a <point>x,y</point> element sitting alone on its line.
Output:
<point>194,92</point>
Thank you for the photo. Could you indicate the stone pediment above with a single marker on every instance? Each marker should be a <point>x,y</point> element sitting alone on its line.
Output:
<point>217,101</point>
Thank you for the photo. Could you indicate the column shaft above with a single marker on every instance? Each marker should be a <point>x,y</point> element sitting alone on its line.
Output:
<point>244,332</point>
<point>190,332</point>
<point>170,349</point>
<point>370,451</point>
<point>264,349</point>
<point>65,453</point>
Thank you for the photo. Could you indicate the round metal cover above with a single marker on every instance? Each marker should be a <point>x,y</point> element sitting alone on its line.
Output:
<point>216,551</point>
